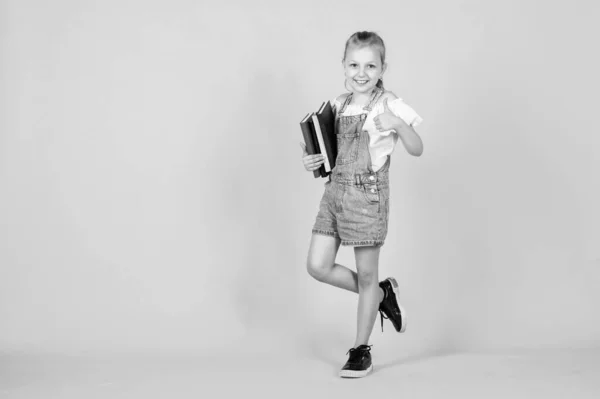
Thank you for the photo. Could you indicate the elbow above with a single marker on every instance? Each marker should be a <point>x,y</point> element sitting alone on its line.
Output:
<point>416,152</point>
<point>416,147</point>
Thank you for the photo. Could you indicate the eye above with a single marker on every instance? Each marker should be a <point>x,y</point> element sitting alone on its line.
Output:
<point>372,66</point>
<point>352,65</point>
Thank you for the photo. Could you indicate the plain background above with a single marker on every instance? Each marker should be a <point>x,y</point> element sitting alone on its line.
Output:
<point>153,198</point>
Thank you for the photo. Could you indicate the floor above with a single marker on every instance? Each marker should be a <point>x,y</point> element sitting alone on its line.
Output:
<point>568,373</point>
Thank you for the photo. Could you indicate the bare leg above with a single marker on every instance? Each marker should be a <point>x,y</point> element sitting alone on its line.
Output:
<point>321,263</point>
<point>369,292</point>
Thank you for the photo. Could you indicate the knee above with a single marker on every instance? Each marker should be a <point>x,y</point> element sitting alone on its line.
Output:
<point>317,270</point>
<point>367,278</point>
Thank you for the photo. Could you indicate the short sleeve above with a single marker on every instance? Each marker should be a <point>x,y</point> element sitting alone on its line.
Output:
<point>335,104</point>
<point>405,111</point>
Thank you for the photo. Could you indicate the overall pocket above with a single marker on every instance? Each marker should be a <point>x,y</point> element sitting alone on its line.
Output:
<point>372,194</point>
<point>347,148</point>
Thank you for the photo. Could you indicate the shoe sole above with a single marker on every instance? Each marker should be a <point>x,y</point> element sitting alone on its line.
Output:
<point>355,373</point>
<point>402,311</point>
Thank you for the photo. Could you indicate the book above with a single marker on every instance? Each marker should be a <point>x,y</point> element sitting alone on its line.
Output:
<point>310,139</point>
<point>318,131</point>
<point>326,120</point>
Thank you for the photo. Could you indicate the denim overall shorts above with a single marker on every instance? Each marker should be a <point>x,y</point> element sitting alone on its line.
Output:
<point>355,204</point>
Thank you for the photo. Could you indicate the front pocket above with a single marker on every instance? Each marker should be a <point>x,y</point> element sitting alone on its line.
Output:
<point>347,148</point>
<point>371,195</point>
<point>371,192</point>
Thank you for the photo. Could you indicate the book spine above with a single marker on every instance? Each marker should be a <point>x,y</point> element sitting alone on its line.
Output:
<point>322,146</point>
<point>321,170</point>
<point>310,140</point>
<point>330,143</point>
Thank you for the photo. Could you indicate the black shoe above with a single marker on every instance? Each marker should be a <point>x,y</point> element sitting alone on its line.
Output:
<point>390,307</point>
<point>359,363</point>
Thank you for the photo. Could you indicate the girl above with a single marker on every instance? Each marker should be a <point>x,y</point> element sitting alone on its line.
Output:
<point>354,209</point>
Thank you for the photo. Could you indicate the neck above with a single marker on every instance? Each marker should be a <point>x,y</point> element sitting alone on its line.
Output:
<point>363,98</point>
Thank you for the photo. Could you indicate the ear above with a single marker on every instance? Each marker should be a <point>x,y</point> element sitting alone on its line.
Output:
<point>383,67</point>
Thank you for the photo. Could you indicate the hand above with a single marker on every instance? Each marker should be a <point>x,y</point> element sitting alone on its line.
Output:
<point>387,120</point>
<point>311,162</point>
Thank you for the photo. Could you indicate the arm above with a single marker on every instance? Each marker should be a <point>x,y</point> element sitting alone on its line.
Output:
<point>389,121</point>
<point>411,140</point>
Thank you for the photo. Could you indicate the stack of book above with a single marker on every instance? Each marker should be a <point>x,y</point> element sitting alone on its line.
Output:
<point>318,130</point>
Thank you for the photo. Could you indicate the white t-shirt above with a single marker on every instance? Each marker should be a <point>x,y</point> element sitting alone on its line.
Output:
<point>381,144</point>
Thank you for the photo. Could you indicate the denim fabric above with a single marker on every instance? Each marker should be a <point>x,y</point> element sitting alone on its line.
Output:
<point>355,204</point>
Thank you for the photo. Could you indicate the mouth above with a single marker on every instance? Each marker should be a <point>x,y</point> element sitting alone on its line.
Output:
<point>361,82</point>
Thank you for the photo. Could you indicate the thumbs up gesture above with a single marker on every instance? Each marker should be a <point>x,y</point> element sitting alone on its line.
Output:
<point>387,120</point>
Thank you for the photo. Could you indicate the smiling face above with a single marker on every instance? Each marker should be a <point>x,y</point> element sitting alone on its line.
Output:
<point>363,67</point>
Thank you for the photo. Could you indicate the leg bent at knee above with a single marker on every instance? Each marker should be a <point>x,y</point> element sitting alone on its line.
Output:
<point>318,269</point>
<point>321,255</point>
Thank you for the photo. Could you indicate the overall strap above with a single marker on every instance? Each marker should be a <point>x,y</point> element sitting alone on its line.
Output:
<point>345,104</point>
<point>374,97</point>
<point>378,92</point>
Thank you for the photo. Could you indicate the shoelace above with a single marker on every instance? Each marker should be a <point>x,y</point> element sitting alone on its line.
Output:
<point>361,348</point>
<point>382,317</point>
